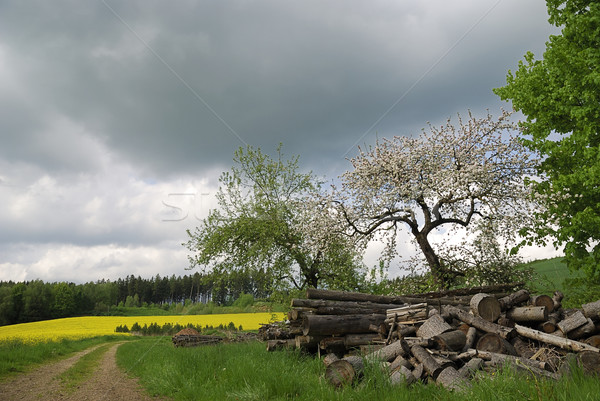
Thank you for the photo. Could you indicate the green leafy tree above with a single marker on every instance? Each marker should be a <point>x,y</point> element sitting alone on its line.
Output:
<point>560,96</point>
<point>269,220</point>
<point>64,300</point>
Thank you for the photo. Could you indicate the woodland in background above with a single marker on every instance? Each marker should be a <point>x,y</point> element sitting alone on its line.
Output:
<point>36,300</point>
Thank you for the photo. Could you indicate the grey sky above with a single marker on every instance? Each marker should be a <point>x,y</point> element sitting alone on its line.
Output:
<point>113,112</point>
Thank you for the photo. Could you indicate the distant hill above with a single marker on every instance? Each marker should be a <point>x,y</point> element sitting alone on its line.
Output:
<point>551,274</point>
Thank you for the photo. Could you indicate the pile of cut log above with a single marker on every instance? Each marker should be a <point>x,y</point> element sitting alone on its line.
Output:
<point>444,336</point>
<point>189,337</point>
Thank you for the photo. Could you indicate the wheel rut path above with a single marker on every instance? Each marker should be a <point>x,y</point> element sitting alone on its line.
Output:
<point>108,382</point>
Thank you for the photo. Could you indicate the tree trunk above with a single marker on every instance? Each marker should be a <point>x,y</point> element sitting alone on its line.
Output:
<point>429,363</point>
<point>454,340</point>
<point>572,322</point>
<point>387,353</point>
<point>528,314</point>
<point>316,294</point>
<point>471,335</point>
<point>563,343</point>
<point>437,271</point>
<point>592,310</point>
<point>340,304</point>
<point>355,340</point>
<point>324,325</point>
<point>481,324</point>
<point>514,299</point>
<point>583,331</point>
<point>273,345</point>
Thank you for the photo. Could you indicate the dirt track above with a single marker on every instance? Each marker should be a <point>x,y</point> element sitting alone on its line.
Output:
<point>108,383</point>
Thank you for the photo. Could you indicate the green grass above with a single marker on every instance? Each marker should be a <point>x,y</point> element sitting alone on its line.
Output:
<point>17,357</point>
<point>248,372</point>
<point>83,369</point>
<point>550,275</point>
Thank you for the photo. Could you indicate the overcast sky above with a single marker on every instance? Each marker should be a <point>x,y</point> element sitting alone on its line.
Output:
<point>112,113</point>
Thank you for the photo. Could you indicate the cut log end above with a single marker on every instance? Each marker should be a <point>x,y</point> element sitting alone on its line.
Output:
<point>486,306</point>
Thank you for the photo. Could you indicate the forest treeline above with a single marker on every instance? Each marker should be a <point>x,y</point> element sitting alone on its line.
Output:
<point>35,300</point>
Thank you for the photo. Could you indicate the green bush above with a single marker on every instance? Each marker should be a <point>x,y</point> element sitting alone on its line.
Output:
<point>244,300</point>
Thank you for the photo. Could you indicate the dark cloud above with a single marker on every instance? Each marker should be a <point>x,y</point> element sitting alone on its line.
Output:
<point>105,101</point>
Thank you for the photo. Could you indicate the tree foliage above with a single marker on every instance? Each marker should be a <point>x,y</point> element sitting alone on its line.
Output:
<point>448,177</point>
<point>267,221</point>
<point>560,96</point>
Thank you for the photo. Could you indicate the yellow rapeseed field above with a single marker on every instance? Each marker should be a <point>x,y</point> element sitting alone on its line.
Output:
<point>92,326</point>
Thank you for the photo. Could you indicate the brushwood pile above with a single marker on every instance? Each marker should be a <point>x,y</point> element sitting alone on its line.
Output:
<point>442,337</point>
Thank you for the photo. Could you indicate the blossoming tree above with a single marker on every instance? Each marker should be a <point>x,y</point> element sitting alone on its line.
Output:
<point>448,177</point>
<point>270,220</point>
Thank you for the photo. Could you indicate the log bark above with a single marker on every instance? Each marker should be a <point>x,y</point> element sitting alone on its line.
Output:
<point>433,326</point>
<point>583,331</point>
<point>564,343</point>
<point>355,340</point>
<point>549,326</point>
<point>314,293</point>
<point>513,299</point>
<point>432,367</point>
<point>501,358</point>
<point>481,324</point>
<point>400,361</point>
<point>523,365</point>
<point>387,353</point>
<point>402,376</point>
<point>273,345</point>
<point>572,322</point>
<point>592,310</point>
<point>410,313</point>
<point>528,314</point>
<point>470,338</point>
<point>523,349</point>
<point>472,366</point>
<point>324,325</point>
<point>492,342</point>
<point>308,343</point>
<point>329,359</point>
<point>333,345</point>
<point>298,313</point>
<point>505,321</point>
<point>557,300</point>
<point>485,306</point>
<point>489,289</point>
<point>325,303</point>
<point>453,340</point>
<point>451,379</point>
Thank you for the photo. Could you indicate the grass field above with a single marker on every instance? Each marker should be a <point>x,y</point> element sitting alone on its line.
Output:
<point>93,326</point>
<point>551,275</point>
<point>246,371</point>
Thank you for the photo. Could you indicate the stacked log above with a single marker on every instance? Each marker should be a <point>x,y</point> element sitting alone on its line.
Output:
<point>445,337</point>
<point>339,321</point>
<point>189,337</point>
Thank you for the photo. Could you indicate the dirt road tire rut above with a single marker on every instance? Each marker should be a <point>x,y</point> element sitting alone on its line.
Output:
<point>108,382</point>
